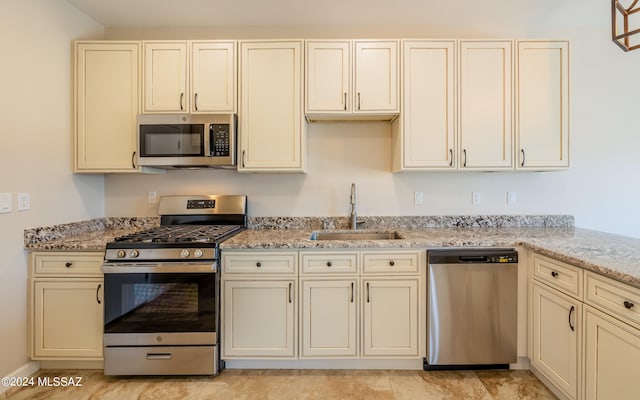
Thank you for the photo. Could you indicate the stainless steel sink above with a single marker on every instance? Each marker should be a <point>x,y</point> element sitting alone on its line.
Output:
<point>356,235</point>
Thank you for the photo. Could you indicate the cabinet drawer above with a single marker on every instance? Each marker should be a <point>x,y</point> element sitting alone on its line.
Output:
<point>79,264</point>
<point>329,262</point>
<point>612,296</point>
<point>391,262</point>
<point>260,263</point>
<point>564,277</point>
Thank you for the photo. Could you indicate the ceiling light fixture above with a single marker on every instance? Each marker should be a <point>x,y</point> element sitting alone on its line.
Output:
<point>620,33</point>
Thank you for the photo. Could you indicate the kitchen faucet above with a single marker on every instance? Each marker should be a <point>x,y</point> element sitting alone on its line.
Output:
<point>354,218</point>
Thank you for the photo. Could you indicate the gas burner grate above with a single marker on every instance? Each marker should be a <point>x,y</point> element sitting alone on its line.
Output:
<point>180,234</point>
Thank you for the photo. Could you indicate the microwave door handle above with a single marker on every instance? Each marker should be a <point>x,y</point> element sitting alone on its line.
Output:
<point>207,140</point>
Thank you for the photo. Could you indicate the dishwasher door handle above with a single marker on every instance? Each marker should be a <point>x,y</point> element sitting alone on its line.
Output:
<point>482,259</point>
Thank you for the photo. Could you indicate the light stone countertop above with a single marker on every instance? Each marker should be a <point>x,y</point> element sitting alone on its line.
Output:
<point>615,256</point>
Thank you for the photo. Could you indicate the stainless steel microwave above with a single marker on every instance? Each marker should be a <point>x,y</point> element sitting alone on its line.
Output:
<point>187,141</point>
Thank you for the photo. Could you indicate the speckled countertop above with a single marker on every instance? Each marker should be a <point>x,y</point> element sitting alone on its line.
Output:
<point>555,236</point>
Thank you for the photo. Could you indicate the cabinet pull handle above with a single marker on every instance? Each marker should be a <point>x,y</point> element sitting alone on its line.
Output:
<point>570,324</point>
<point>352,290</point>
<point>368,297</point>
<point>159,356</point>
<point>329,263</point>
<point>258,264</point>
<point>451,157</point>
<point>345,101</point>
<point>195,101</point>
<point>522,162</point>
<point>628,305</point>
<point>68,264</point>
<point>392,263</point>
<point>181,99</point>
<point>358,101</point>
<point>243,157</point>
<point>98,294</point>
<point>464,151</point>
<point>133,160</point>
<point>554,274</point>
<point>290,287</point>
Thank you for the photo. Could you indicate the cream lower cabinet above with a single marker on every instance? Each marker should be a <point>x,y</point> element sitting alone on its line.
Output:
<point>390,317</point>
<point>329,317</point>
<point>259,304</point>
<point>259,318</point>
<point>612,351</point>
<point>556,333</point>
<point>65,306</point>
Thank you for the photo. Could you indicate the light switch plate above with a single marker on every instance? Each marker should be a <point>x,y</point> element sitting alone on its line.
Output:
<point>24,201</point>
<point>418,197</point>
<point>5,203</point>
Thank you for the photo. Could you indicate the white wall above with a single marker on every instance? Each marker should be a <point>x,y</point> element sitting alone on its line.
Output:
<point>600,189</point>
<point>35,149</point>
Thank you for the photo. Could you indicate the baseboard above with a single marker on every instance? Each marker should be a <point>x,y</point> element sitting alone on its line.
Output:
<point>399,364</point>
<point>523,363</point>
<point>27,369</point>
<point>71,364</point>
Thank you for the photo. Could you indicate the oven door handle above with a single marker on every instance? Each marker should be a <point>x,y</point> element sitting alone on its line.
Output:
<point>156,268</point>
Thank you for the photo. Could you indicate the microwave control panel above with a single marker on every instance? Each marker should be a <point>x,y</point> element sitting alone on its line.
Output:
<point>220,139</point>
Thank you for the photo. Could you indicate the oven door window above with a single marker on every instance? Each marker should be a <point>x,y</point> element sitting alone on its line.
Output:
<point>146,303</point>
<point>172,140</point>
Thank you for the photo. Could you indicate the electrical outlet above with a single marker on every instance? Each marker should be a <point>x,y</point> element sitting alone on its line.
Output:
<point>511,198</point>
<point>475,198</point>
<point>418,197</point>
<point>152,197</point>
<point>24,201</point>
<point>5,203</point>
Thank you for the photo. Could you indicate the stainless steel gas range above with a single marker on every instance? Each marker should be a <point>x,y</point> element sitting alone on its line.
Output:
<point>162,289</point>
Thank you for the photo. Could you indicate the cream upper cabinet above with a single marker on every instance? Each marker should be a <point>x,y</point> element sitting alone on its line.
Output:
<point>425,132</point>
<point>106,102</point>
<point>165,77</point>
<point>485,105</point>
<point>213,77</point>
<point>271,124</point>
<point>347,79</point>
<point>542,107</point>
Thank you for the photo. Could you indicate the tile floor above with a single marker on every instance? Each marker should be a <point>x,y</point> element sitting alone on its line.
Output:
<point>294,384</point>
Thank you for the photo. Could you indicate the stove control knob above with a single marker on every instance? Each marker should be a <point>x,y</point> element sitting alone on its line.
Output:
<point>121,253</point>
<point>134,253</point>
<point>198,253</point>
<point>184,253</point>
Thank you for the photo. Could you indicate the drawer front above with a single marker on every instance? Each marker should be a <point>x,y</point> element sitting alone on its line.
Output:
<point>615,297</point>
<point>260,263</point>
<point>329,262</point>
<point>79,264</point>
<point>563,277</point>
<point>395,262</point>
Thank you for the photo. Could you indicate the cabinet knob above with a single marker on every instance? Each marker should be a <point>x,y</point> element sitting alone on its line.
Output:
<point>68,264</point>
<point>628,305</point>
<point>258,264</point>
<point>554,274</point>
<point>392,263</point>
<point>329,263</point>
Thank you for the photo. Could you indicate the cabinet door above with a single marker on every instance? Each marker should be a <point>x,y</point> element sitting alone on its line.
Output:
<point>390,317</point>
<point>556,327</point>
<point>543,105</point>
<point>165,77</point>
<point>68,319</point>
<point>611,351</point>
<point>329,318</point>
<point>428,129</point>
<point>106,102</point>
<point>486,105</point>
<point>271,123</point>
<point>376,76</point>
<point>328,76</point>
<point>259,319</point>
<point>213,77</point>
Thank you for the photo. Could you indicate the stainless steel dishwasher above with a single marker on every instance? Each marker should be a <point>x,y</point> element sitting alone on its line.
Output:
<point>472,307</point>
